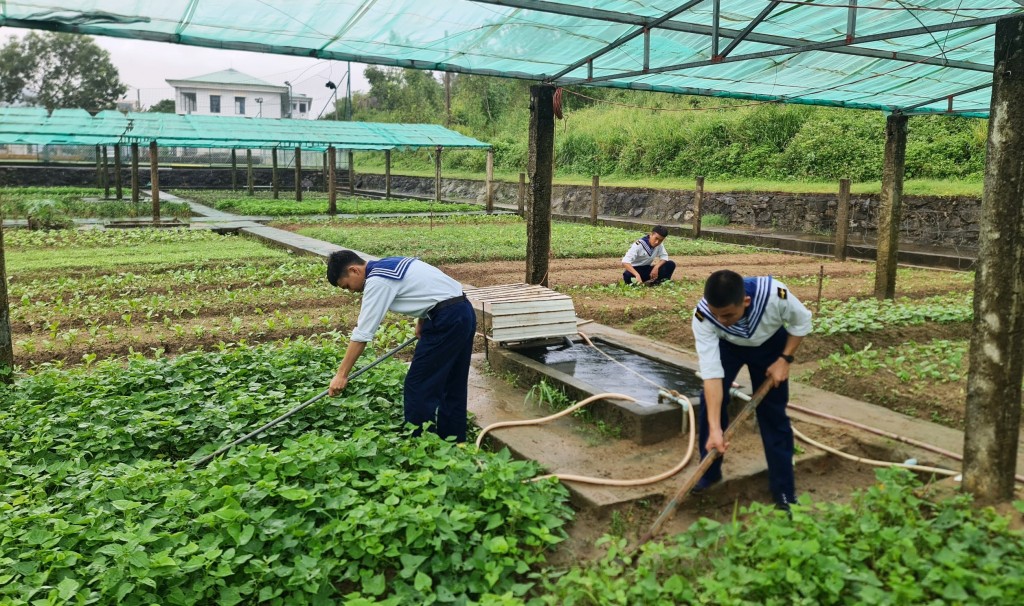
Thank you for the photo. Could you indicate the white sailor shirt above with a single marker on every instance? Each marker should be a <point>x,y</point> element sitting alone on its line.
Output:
<point>403,285</point>
<point>642,253</point>
<point>772,307</point>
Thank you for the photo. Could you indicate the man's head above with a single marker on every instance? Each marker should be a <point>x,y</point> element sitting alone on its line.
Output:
<point>726,296</point>
<point>345,269</point>
<point>658,235</point>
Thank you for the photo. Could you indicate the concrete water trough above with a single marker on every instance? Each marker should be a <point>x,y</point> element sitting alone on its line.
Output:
<point>581,370</point>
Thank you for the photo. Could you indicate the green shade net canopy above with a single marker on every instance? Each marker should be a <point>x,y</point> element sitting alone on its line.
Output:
<point>78,127</point>
<point>917,56</point>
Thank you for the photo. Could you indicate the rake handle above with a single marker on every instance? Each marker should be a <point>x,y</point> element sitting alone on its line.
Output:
<point>705,464</point>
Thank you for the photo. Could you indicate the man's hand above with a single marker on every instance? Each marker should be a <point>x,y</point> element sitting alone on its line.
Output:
<point>419,327</point>
<point>716,441</point>
<point>778,372</point>
<point>337,385</point>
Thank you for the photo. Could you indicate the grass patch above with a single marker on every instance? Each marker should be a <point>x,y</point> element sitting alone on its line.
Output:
<point>488,238</point>
<point>120,249</point>
<point>264,204</point>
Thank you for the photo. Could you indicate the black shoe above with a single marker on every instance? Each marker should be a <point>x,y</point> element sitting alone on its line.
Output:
<point>784,504</point>
<point>704,484</point>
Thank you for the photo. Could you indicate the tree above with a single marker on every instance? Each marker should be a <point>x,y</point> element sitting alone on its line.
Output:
<point>59,70</point>
<point>405,95</point>
<point>6,345</point>
<point>15,71</point>
<point>163,106</point>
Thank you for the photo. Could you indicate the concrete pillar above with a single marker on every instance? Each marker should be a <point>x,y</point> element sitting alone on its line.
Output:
<point>332,182</point>
<point>387,174</point>
<point>521,201</point>
<point>595,195</point>
<point>698,206</point>
<point>234,170</point>
<point>842,219</point>
<point>490,181</point>
<point>298,174</point>
<point>135,173</point>
<point>997,346</point>
<point>118,185</point>
<point>249,184</point>
<point>890,207</point>
<point>274,183</point>
<point>541,169</point>
<point>154,179</point>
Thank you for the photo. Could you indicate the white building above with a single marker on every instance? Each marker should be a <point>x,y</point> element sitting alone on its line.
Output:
<point>232,93</point>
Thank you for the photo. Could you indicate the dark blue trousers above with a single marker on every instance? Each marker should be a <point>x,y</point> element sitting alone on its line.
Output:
<point>664,272</point>
<point>776,431</point>
<point>436,387</point>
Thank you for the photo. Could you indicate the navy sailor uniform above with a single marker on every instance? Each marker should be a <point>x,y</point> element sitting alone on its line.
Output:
<point>756,340</point>
<point>436,384</point>
<point>641,256</point>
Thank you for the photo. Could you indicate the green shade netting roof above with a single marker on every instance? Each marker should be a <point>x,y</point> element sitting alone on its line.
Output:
<point>78,127</point>
<point>924,56</point>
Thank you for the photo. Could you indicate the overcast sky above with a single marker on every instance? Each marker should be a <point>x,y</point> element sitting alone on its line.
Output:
<point>144,67</point>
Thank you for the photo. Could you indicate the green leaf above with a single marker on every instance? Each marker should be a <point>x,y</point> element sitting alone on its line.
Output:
<point>67,588</point>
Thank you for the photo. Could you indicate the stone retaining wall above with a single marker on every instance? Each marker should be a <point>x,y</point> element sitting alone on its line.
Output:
<point>929,220</point>
<point>170,178</point>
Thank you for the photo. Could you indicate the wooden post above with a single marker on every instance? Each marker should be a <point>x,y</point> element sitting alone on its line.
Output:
<point>387,174</point>
<point>135,173</point>
<point>437,174</point>
<point>154,178</point>
<point>842,219</point>
<point>234,170</point>
<point>106,174</point>
<point>326,178</point>
<point>521,201</point>
<point>298,174</point>
<point>595,196</point>
<point>351,173</point>
<point>889,207</point>
<point>250,186</point>
<point>490,181</point>
<point>118,185</point>
<point>99,168</point>
<point>997,349</point>
<point>6,343</point>
<point>698,206</point>
<point>274,183</point>
<point>332,185</point>
<point>541,169</point>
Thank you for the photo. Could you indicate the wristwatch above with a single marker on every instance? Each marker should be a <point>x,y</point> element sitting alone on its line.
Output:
<point>788,358</point>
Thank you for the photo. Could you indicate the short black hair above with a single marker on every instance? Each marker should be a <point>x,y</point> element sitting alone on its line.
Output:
<point>338,262</point>
<point>660,230</point>
<point>724,288</point>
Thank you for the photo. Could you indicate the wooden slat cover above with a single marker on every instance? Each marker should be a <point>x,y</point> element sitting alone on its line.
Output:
<point>519,312</point>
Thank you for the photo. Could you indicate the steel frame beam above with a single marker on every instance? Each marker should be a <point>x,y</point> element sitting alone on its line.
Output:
<point>944,97</point>
<point>746,30</point>
<point>644,28</point>
<point>842,47</point>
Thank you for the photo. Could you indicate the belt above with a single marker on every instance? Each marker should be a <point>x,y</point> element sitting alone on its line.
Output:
<point>446,303</point>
